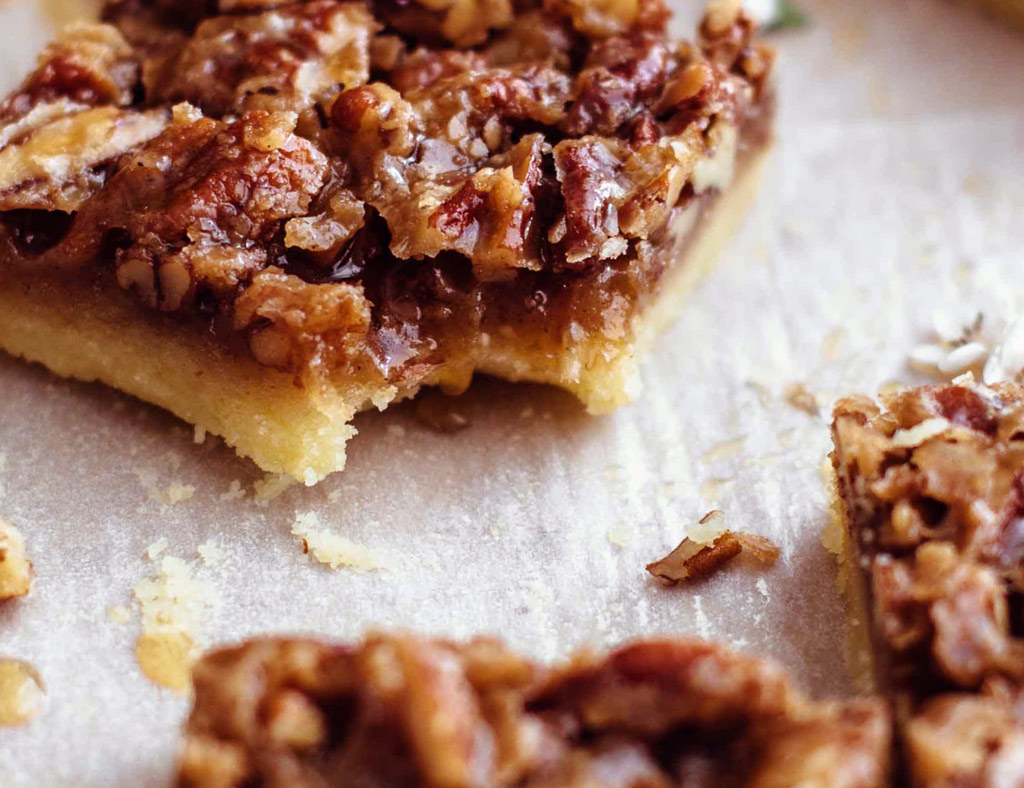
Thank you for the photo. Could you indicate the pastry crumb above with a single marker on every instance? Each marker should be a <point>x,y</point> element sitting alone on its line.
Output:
<point>178,492</point>
<point>798,396</point>
<point>235,491</point>
<point>15,567</point>
<point>725,450</point>
<point>331,549</point>
<point>119,614</point>
<point>210,553</point>
<point>166,657</point>
<point>154,550</point>
<point>22,693</point>
<point>270,486</point>
<point>198,435</point>
<point>170,607</point>
<point>711,489</point>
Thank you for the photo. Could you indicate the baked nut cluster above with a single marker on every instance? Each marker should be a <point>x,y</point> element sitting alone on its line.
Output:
<point>398,710</point>
<point>376,185</point>
<point>931,483</point>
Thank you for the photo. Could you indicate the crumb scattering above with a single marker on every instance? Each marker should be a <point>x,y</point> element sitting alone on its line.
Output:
<point>15,567</point>
<point>22,693</point>
<point>331,549</point>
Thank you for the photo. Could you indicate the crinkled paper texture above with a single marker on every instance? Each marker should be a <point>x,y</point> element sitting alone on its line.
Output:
<point>895,190</point>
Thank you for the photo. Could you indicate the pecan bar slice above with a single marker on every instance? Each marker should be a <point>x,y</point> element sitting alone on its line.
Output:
<point>398,710</point>
<point>931,486</point>
<point>265,216</point>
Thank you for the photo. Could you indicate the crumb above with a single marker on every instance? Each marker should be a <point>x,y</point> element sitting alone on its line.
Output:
<point>696,558</point>
<point>724,450</point>
<point>798,396</point>
<point>329,548</point>
<point>762,586</point>
<point>118,614</point>
<point>235,492</point>
<point>178,492</point>
<point>830,345</point>
<point>15,568</point>
<point>270,486</point>
<point>170,607</point>
<point>210,553</point>
<point>22,693</point>
<point>166,657</point>
<point>154,550</point>
<point>764,395</point>
<point>526,413</point>
<point>199,435</point>
<point>712,489</point>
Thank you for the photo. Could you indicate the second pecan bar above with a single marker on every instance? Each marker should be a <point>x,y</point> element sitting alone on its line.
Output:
<point>931,486</point>
<point>402,711</point>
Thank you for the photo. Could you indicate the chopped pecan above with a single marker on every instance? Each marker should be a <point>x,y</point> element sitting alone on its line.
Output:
<point>187,210</point>
<point>283,59</point>
<point>293,325</point>
<point>88,65</point>
<point>695,559</point>
<point>55,160</point>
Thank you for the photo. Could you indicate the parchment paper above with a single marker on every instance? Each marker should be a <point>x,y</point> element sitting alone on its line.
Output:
<point>896,190</point>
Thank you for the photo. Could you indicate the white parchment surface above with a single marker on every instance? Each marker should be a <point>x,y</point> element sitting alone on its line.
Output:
<point>897,189</point>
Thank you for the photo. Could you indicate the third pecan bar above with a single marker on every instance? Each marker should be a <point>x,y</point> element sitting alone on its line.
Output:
<point>399,711</point>
<point>931,487</point>
<point>267,215</point>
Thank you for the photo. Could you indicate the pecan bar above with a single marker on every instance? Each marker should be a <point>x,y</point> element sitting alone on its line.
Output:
<point>931,484</point>
<point>404,711</point>
<point>268,215</point>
